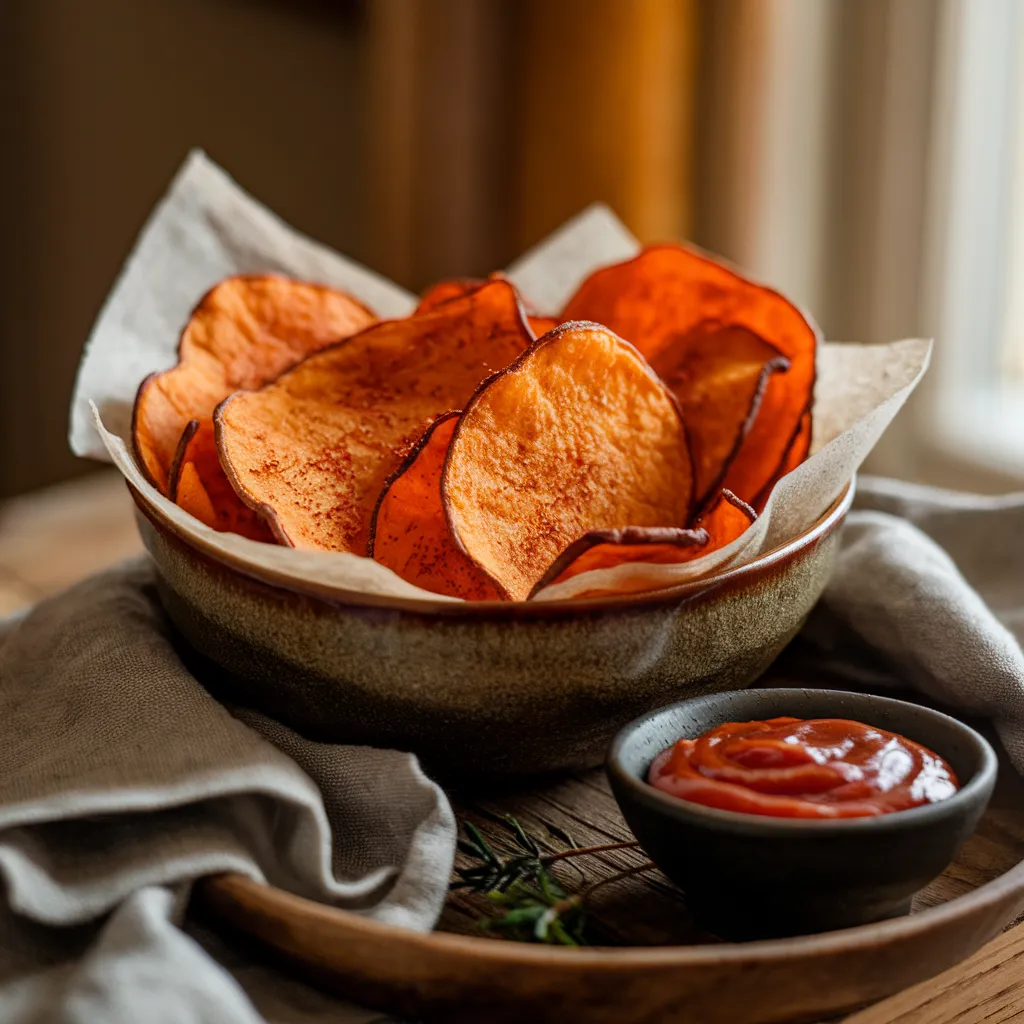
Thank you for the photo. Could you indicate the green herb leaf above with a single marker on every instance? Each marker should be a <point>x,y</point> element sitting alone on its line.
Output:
<point>535,908</point>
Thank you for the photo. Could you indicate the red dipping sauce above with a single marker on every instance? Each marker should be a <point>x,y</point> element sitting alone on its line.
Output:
<point>803,768</point>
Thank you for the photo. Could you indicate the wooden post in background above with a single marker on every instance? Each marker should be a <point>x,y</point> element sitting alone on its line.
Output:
<point>764,138</point>
<point>439,132</point>
<point>491,123</point>
<point>606,106</point>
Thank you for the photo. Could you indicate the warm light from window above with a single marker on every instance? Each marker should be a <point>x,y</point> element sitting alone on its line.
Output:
<point>1012,361</point>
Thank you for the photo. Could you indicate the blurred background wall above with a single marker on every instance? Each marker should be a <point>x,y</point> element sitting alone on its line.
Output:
<point>863,155</point>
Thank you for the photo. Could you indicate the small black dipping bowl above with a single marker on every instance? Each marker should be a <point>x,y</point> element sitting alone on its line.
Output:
<point>748,876</point>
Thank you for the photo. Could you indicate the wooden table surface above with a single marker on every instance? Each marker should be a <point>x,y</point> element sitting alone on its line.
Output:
<point>53,538</point>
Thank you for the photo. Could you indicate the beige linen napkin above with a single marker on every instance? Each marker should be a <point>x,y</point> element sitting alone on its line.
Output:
<point>122,779</point>
<point>928,592</point>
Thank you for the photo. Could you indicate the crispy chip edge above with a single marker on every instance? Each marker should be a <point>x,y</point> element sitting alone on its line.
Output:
<point>406,464</point>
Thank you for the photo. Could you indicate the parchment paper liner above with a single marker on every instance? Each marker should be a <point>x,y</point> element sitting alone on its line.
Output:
<point>207,228</point>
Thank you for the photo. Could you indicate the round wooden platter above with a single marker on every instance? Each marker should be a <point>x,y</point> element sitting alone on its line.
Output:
<point>651,964</point>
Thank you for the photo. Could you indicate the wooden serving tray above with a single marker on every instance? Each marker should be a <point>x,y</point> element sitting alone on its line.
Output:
<point>652,964</point>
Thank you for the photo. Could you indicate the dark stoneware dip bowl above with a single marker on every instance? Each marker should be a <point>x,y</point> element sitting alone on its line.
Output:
<point>488,688</point>
<point>747,876</point>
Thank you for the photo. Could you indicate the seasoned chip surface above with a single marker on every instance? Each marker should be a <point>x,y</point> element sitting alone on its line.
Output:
<point>719,373</point>
<point>798,450</point>
<point>578,435</point>
<point>313,450</point>
<point>410,532</point>
<point>245,332</point>
<point>199,486</point>
<point>606,549</point>
<point>457,287</point>
<point>666,292</point>
<point>445,291</point>
<point>191,495</point>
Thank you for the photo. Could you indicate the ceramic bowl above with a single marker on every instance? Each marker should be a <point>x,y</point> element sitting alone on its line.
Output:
<point>489,688</point>
<point>748,876</point>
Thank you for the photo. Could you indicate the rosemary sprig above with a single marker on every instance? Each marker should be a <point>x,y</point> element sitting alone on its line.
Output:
<point>494,873</point>
<point>534,907</point>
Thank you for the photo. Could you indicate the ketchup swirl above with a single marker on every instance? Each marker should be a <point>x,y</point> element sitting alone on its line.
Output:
<point>803,768</point>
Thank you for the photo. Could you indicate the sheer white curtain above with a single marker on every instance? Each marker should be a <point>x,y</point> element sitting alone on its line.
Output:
<point>975,408</point>
<point>865,157</point>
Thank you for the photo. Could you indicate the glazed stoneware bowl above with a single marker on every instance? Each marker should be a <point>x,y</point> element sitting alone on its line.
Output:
<point>488,688</point>
<point>747,876</point>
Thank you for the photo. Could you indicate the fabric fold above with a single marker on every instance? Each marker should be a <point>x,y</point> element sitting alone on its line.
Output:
<point>122,780</point>
<point>928,592</point>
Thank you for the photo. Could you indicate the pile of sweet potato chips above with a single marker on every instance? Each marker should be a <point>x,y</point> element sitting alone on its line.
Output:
<point>476,449</point>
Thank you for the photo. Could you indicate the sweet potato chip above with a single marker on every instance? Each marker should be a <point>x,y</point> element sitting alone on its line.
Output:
<point>667,291</point>
<point>578,434</point>
<point>245,332</point>
<point>719,373</point>
<point>445,291</point>
<point>456,288</point>
<point>313,450</point>
<point>410,534</point>
<point>540,325</point>
<point>798,450</point>
<point>605,549</point>
<point>218,506</point>
<point>192,497</point>
<point>727,518</point>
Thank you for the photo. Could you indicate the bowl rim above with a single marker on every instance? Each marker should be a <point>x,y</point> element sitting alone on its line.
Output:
<point>758,825</point>
<point>339,596</point>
